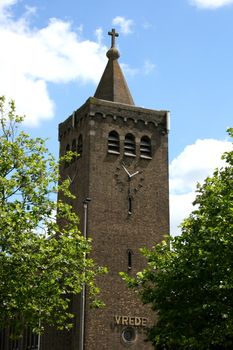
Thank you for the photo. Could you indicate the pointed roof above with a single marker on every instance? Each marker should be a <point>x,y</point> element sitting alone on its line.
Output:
<point>112,85</point>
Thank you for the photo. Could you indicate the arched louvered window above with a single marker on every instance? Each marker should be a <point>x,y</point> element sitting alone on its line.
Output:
<point>145,147</point>
<point>113,142</point>
<point>80,145</point>
<point>67,150</point>
<point>129,146</point>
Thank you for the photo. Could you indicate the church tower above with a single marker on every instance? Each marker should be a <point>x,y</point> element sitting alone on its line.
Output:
<point>121,183</point>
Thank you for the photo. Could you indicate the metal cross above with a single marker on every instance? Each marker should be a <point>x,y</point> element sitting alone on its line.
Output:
<point>113,35</point>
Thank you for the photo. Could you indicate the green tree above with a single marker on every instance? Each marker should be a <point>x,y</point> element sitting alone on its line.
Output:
<point>188,280</point>
<point>42,262</point>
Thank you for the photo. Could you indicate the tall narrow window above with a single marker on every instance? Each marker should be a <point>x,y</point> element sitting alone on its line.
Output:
<point>129,205</point>
<point>129,146</point>
<point>145,147</point>
<point>129,255</point>
<point>80,145</point>
<point>113,142</point>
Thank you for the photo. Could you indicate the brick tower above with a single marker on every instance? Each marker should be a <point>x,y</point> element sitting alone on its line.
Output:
<point>123,169</point>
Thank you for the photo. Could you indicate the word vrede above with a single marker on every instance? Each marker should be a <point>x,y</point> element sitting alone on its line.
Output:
<point>131,321</point>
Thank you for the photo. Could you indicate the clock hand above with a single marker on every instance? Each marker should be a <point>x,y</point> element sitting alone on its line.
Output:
<point>126,170</point>
<point>137,172</point>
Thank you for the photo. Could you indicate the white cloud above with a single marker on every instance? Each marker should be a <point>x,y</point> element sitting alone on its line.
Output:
<point>194,164</point>
<point>124,24</point>
<point>146,25</point>
<point>99,35</point>
<point>180,207</point>
<point>148,67</point>
<point>211,4</point>
<point>31,58</point>
<point>128,70</point>
<point>5,4</point>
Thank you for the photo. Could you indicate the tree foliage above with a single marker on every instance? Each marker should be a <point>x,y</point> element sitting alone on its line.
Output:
<point>188,280</point>
<point>42,263</point>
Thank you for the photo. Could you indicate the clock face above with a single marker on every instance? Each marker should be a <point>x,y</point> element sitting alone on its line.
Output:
<point>129,177</point>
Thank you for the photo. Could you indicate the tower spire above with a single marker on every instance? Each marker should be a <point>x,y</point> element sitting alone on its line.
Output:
<point>112,85</point>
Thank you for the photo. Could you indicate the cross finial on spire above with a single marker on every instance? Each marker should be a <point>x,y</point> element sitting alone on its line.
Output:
<point>113,35</point>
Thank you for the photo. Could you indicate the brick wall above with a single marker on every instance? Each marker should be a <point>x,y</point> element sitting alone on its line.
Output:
<point>99,175</point>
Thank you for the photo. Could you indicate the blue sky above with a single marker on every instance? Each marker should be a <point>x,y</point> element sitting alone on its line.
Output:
<point>176,55</point>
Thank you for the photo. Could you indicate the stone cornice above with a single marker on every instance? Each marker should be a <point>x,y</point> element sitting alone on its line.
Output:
<point>96,108</point>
